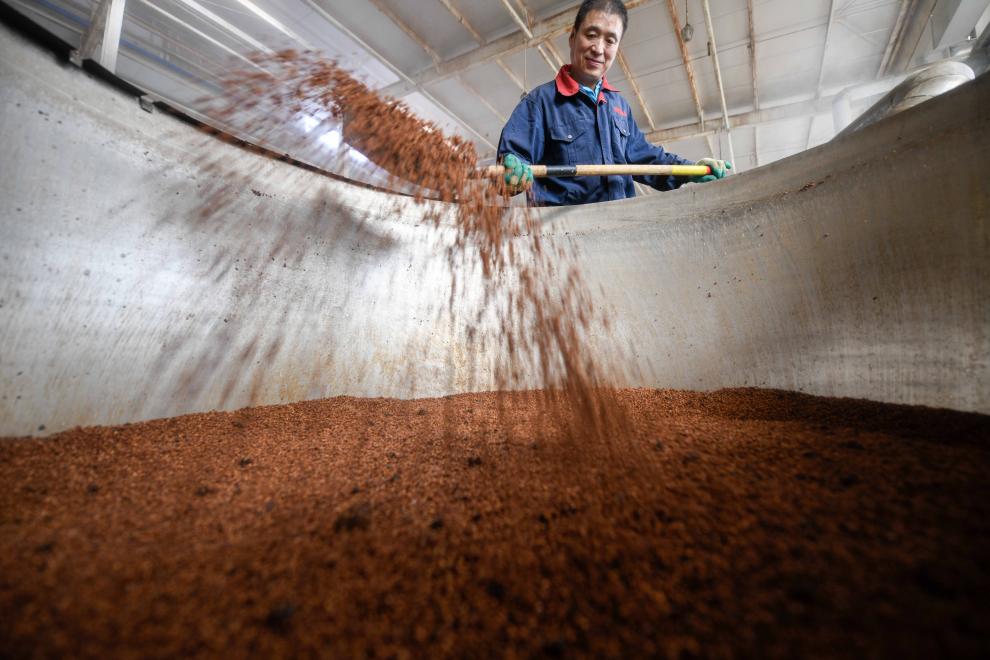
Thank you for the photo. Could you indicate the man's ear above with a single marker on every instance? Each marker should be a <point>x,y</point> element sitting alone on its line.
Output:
<point>570,39</point>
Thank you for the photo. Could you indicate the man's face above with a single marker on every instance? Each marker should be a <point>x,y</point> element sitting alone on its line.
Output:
<point>594,46</point>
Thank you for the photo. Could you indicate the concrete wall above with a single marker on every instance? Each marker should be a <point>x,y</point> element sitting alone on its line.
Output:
<point>860,268</point>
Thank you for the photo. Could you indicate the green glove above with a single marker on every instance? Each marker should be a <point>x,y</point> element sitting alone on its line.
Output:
<point>518,174</point>
<point>718,167</point>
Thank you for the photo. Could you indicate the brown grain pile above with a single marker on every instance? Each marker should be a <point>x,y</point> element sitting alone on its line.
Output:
<point>735,524</point>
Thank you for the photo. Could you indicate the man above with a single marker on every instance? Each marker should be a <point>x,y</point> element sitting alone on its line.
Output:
<point>579,118</point>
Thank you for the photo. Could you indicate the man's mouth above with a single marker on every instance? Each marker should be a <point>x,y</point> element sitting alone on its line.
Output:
<point>594,63</point>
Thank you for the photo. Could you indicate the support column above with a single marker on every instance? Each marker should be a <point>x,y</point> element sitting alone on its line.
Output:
<point>102,40</point>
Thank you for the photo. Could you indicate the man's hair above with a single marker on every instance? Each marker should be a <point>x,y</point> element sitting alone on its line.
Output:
<point>614,7</point>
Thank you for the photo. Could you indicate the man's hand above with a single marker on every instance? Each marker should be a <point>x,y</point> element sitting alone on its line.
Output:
<point>718,167</point>
<point>518,174</point>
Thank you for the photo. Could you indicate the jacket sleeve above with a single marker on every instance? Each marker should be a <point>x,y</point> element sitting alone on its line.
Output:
<point>523,134</point>
<point>641,152</point>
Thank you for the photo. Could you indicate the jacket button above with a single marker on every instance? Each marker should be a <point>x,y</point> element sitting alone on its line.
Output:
<point>570,137</point>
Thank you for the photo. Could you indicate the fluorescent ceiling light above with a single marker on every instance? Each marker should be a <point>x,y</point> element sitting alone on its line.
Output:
<point>309,122</point>
<point>199,33</point>
<point>268,18</point>
<point>227,26</point>
<point>331,139</point>
<point>357,156</point>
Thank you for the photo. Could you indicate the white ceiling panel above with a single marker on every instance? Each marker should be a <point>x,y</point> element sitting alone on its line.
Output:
<point>375,29</point>
<point>463,102</point>
<point>438,29</point>
<point>498,88</point>
<point>871,15</point>
<point>773,17</point>
<point>674,113</point>
<point>650,23</point>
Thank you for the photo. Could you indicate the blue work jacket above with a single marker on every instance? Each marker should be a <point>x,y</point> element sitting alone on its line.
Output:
<point>556,124</point>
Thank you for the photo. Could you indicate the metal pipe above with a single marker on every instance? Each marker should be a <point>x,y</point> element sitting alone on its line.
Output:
<point>752,54</point>
<point>912,31</point>
<point>690,76</point>
<point>842,102</point>
<point>841,112</point>
<point>896,34</point>
<point>718,77</point>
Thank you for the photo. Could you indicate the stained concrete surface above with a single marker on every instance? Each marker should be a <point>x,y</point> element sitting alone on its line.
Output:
<point>860,268</point>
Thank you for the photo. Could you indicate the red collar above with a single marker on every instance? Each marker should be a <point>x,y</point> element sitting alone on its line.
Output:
<point>567,86</point>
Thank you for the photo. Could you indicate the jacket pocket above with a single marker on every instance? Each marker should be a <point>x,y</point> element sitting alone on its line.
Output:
<point>568,145</point>
<point>620,139</point>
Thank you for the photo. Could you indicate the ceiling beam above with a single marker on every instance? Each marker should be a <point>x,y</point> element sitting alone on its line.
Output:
<point>546,58</point>
<point>553,26</point>
<point>801,109</point>
<point>405,27</point>
<point>689,69</point>
<point>896,34</point>
<point>456,13</point>
<point>764,116</point>
<point>481,41</point>
<point>520,83</point>
<point>101,41</point>
<point>907,33</point>
<point>752,54</point>
<point>554,59</point>
<point>524,26</point>
<point>558,60</point>
<point>753,78</point>
<point>434,55</point>
<point>523,23</point>
<point>632,83</point>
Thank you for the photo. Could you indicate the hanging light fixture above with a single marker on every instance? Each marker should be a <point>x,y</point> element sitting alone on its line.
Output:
<point>688,30</point>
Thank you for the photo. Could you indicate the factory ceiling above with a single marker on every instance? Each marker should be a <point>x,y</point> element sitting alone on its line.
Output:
<point>464,64</point>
